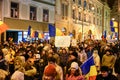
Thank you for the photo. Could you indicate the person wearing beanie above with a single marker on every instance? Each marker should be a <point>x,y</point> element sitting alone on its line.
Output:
<point>49,72</point>
<point>105,74</point>
<point>74,72</point>
<point>73,57</point>
<point>58,69</point>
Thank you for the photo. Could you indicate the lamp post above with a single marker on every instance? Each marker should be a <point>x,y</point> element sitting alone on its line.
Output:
<point>82,23</point>
<point>118,26</point>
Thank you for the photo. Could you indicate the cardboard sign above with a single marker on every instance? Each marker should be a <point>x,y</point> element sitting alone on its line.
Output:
<point>62,41</point>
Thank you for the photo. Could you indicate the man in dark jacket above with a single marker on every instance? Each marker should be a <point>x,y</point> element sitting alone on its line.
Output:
<point>105,74</point>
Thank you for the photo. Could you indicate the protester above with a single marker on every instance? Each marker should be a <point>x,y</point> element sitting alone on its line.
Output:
<point>108,59</point>
<point>49,72</point>
<point>74,72</point>
<point>59,75</point>
<point>96,60</point>
<point>105,74</point>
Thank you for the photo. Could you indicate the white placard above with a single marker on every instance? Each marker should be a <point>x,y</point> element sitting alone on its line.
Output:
<point>62,41</point>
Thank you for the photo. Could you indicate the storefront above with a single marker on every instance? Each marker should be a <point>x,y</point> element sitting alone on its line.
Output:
<point>18,28</point>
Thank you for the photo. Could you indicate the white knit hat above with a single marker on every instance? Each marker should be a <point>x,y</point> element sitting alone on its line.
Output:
<point>74,65</point>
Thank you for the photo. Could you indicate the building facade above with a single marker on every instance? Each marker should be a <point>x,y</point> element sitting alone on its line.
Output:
<point>115,16</point>
<point>82,18</point>
<point>106,21</point>
<point>20,14</point>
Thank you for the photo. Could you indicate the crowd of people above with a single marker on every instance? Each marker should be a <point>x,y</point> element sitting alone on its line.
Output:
<point>43,61</point>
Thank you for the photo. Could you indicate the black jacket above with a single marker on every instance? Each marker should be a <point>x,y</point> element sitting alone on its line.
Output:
<point>109,77</point>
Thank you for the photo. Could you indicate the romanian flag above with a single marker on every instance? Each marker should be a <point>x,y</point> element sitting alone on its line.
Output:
<point>88,68</point>
<point>58,32</point>
<point>3,27</point>
<point>115,24</point>
<point>53,31</point>
<point>32,33</point>
<point>41,35</point>
<point>116,29</point>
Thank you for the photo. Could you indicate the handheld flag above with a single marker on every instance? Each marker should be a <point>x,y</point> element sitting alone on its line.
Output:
<point>88,68</point>
<point>85,67</point>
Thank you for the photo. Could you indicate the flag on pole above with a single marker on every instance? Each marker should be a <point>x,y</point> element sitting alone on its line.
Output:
<point>58,32</point>
<point>29,30</point>
<point>3,27</point>
<point>105,34</point>
<point>52,30</point>
<point>41,35</point>
<point>112,29</point>
<point>32,33</point>
<point>111,23</point>
<point>36,34</point>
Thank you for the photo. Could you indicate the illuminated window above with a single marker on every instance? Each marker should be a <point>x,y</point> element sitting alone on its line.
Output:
<point>79,16</point>
<point>73,13</point>
<point>79,2</point>
<point>64,10</point>
<point>45,15</point>
<point>14,10</point>
<point>32,13</point>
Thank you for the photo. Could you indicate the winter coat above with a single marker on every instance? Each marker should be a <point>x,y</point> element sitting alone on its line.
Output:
<point>17,75</point>
<point>108,60</point>
<point>109,77</point>
<point>31,72</point>
<point>75,78</point>
<point>3,74</point>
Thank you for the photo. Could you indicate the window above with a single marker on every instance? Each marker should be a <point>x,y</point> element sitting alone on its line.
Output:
<point>73,1</point>
<point>79,2</point>
<point>98,10</point>
<point>14,10</point>
<point>45,15</point>
<point>97,21</point>
<point>32,13</point>
<point>93,20</point>
<point>84,17</point>
<point>64,10</point>
<point>73,14</point>
<point>79,16</point>
<point>89,19</point>
<point>100,22</point>
<point>106,14</point>
<point>1,9</point>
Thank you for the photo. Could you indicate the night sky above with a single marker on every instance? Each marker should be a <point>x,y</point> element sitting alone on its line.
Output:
<point>110,2</point>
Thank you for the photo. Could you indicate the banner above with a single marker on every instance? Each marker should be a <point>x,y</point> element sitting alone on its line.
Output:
<point>62,41</point>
